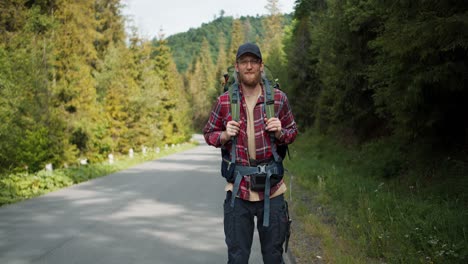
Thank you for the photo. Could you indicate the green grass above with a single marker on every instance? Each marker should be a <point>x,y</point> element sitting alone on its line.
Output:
<point>397,219</point>
<point>21,186</point>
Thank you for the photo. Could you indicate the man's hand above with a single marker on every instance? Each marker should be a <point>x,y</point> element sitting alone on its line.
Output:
<point>273,125</point>
<point>232,129</point>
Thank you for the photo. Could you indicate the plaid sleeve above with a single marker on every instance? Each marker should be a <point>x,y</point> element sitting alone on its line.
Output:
<point>289,128</point>
<point>217,121</point>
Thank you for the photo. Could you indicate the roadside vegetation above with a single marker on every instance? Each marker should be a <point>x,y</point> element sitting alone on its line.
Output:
<point>23,185</point>
<point>357,216</point>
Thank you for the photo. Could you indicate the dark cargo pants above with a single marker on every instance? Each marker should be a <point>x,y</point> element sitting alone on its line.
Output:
<point>239,229</point>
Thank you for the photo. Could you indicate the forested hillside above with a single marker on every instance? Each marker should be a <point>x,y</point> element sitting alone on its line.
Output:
<point>185,46</point>
<point>72,87</point>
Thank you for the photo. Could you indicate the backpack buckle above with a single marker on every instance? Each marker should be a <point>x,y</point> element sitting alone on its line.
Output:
<point>261,169</point>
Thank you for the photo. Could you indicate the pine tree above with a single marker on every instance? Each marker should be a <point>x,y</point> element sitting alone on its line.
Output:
<point>221,64</point>
<point>203,87</point>
<point>419,74</point>
<point>181,128</point>
<point>12,19</point>
<point>345,102</point>
<point>237,39</point>
<point>110,24</point>
<point>110,134</point>
<point>116,82</point>
<point>31,131</point>
<point>303,85</point>
<point>272,43</point>
<point>150,101</point>
<point>173,96</point>
<point>272,24</point>
<point>73,86</point>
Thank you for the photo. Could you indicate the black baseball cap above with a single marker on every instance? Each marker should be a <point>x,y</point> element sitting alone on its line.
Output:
<point>248,48</point>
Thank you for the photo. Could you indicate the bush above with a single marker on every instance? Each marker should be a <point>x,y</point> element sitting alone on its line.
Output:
<point>383,158</point>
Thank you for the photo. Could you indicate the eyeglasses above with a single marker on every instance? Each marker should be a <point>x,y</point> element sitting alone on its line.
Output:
<point>253,62</point>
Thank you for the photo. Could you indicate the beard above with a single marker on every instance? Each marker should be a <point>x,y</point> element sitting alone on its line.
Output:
<point>251,79</point>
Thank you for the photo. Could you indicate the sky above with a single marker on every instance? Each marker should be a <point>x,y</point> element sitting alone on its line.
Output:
<point>175,16</point>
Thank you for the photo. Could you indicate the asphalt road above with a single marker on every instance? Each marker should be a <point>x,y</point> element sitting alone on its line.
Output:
<point>163,211</point>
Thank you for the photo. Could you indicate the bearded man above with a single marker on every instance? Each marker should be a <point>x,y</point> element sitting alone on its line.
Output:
<point>251,143</point>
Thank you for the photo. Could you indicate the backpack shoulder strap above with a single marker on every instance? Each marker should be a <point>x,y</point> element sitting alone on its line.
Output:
<point>270,112</point>
<point>234,98</point>
<point>269,99</point>
<point>235,101</point>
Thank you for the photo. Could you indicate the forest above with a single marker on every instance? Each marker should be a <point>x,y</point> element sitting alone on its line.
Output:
<point>386,79</point>
<point>73,85</point>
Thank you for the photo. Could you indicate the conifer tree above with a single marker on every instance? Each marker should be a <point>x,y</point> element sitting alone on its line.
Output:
<point>150,101</point>
<point>272,24</point>
<point>109,36</point>
<point>419,73</point>
<point>173,97</point>
<point>345,102</point>
<point>12,19</point>
<point>181,122</point>
<point>203,87</point>
<point>237,39</point>
<point>272,43</point>
<point>110,24</point>
<point>221,63</point>
<point>31,132</point>
<point>303,85</point>
<point>73,85</point>
<point>116,82</point>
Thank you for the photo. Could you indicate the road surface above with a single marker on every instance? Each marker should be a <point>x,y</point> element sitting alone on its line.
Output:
<point>167,211</point>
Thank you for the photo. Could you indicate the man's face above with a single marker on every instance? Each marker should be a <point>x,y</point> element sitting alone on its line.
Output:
<point>249,68</point>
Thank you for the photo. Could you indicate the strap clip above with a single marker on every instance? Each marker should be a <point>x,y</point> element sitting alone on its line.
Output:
<point>261,169</point>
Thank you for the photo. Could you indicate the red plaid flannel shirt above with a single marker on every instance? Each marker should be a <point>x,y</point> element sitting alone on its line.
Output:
<point>221,114</point>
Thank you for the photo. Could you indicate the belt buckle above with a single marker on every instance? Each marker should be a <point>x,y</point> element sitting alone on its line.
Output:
<point>261,169</point>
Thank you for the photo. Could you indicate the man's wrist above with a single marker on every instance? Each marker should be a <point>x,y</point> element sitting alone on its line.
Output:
<point>279,134</point>
<point>224,137</point>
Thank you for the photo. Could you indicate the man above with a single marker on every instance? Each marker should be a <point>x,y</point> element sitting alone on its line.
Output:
<point>255,138</point>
